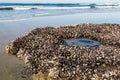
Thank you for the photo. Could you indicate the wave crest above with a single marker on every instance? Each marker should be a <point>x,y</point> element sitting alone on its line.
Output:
<point>55,6</point>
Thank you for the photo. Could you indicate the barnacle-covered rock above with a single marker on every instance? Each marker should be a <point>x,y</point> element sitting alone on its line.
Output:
<point>46,57</point>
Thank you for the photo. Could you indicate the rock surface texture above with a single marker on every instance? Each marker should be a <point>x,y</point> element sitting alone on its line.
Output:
<point>43,52</point>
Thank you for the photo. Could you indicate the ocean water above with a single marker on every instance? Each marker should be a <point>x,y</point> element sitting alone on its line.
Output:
<point>23,11</point>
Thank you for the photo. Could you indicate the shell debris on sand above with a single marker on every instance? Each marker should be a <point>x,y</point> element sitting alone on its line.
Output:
<point>43,51</point>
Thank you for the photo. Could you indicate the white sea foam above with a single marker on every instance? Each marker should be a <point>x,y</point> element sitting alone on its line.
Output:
<point>12,20</point>
<point>60,8</point>
<point>104,7</point>
<point>21,8</point>
<point>41,14</point>
<point>107,7</point>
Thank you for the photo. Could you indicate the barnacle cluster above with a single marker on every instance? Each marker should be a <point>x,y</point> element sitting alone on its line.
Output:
<point>43,52</point>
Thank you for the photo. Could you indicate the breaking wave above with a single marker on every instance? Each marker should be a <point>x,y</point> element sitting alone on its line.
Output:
<point>15,6</point>
<point>18,11</point>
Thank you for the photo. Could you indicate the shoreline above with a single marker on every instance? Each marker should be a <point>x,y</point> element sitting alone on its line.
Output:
<point>38,17</point>
<point>75,16</point>
<point>44,55</point>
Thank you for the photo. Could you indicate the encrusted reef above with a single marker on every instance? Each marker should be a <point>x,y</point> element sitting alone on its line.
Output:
<point>46,57</point>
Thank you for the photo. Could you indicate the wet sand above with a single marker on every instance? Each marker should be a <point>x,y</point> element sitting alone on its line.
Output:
<point>10,66</point>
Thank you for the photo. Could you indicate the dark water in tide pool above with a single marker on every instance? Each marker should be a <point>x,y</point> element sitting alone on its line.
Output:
<point>80,42</point>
